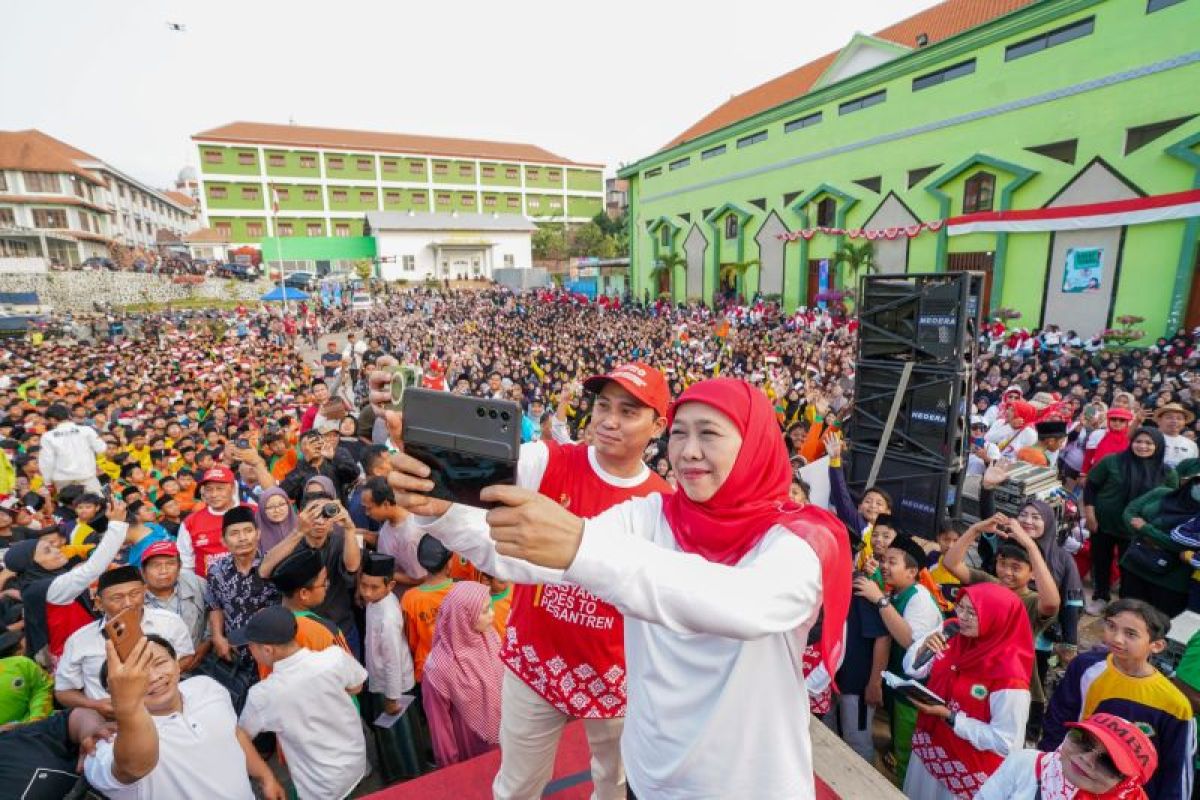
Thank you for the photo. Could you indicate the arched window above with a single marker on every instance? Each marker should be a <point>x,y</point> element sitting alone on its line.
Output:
<point>731,226</point>
<point>827,212</point>
<point>978,192</point>
<point>664,234</point>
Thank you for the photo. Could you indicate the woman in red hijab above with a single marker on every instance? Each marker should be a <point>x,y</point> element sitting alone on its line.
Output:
<point>720,584</point>
<point>983,675</point>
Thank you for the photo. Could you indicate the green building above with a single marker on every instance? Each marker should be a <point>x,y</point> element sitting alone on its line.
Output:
<point>288,181</point>
<point>1052,144</point>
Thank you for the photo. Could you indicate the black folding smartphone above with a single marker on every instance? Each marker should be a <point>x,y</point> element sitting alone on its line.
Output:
<point>467,442</point>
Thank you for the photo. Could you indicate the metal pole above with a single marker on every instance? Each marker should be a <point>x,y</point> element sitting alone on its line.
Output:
<point>893,412</point>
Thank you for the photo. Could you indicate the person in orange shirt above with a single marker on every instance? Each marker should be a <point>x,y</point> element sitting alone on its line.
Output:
<point>302,580</point>
<point>421,603</point>
<point>187,491</point>
<point>463,570</point>
<point>501,600</point>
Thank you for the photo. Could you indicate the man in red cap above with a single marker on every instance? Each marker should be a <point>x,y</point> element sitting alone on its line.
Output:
<point>169,588</point>
<point>1104,756</point>
<point>564,647</point>
<point>199,537</point>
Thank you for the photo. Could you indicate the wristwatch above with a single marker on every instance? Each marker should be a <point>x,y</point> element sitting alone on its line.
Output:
<point>952,718</point>
<point>883,602</point>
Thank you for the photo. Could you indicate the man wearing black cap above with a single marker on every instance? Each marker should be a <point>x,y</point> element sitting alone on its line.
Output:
<point>77,677</point>
<point>1052,435</point>
<point>303,580</point>
<point>388,660</point>
<point>306,702</point>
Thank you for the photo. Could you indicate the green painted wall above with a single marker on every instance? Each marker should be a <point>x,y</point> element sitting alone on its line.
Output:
<point>543,177</point>
<point>542,205</point>
<point>296,197</point>
<point>230,163</point>
<point>405,200</point>
<point>350,166</point>
<point>585,180</point>
<point>881,142</point>
<point>352,199</point>
<point>300,225</point>
<point>238,227</point>
<point>584,206</point>
<point>292,163</point>
<point>500,174</point>
<point>465,201</point>
<point>234,196</point>
<point>448,171</point>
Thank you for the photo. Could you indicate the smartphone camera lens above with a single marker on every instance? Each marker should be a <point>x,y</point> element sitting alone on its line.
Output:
<point>504,416</point>
<point>492,413</point>
<point>480,412</point>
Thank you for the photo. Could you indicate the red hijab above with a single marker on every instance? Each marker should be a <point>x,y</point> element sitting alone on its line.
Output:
<point>754,498</point>
<point>1001,656</point>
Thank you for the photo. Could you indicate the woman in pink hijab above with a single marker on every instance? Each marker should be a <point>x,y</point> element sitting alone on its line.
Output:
<point>460,689</point>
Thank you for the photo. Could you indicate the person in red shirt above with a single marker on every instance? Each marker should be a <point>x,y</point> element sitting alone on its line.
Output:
<point>564,647</point>
<point>199,537</point>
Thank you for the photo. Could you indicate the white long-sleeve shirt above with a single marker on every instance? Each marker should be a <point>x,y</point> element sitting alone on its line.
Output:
<point>389,661</point>
<point>1003,733</point>
<point>69,453</point>
<point>65,588</point>
<point>717,702</point>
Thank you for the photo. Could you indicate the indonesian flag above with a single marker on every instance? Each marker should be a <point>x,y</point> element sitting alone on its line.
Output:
<point>1112,214</point>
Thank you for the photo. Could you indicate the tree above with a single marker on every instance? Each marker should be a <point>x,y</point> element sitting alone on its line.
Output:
<point>736,270</point>
<point>549,243</point>
<point>666,265</point>
<point>364,268</point>
<point>858,258</point>
<point>618,229</point>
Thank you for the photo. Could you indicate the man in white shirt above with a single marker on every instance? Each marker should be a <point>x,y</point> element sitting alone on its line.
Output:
<point>174,739</point>
<point>77,676</point>
<point>306,702</point>
<point>68,452</point>
<point>399,534</point>
<point>1171,420</point>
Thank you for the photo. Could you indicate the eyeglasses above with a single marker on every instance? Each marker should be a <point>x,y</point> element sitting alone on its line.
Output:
<point>963,612</point>
<point>1085,743</point>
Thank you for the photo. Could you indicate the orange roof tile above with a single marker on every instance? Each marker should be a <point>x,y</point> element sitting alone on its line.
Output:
<point>185,200</point>
<point>304,136</point>
<point>939,22</point>
<point>34,151</point>
<point>206,236</point>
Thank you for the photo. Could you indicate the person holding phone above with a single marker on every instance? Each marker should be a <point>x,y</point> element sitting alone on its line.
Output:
<point>719,583</point>
<point>53,591</point>
<point>556,623</point>
<point>983,675</point>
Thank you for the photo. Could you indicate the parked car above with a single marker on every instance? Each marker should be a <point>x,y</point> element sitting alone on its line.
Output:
<point>299,280</point>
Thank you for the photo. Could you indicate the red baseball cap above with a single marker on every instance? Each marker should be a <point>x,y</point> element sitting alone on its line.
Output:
<point>217,475</point>
<point>1120,413</point>
<point>160,549</point>
<point>1128,746</point>
<point>642,381</point>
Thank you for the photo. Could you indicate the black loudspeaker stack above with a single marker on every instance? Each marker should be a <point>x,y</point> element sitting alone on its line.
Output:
<point>931,321</point>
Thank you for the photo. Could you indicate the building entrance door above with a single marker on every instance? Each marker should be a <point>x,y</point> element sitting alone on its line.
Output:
<point>975,262</point>
<point>1192,317</point>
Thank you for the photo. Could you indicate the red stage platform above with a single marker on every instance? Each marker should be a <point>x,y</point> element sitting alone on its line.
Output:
<point>472,780</point>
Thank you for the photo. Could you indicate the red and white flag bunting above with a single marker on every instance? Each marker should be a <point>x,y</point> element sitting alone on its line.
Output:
<point>1112,214</point>
<point>909,231</point>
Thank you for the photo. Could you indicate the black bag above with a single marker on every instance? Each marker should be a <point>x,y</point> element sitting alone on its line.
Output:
<point>236,676</point>
<point>1147,558</point>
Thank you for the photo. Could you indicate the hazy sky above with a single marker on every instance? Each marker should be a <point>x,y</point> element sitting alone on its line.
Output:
<point>600,81</point>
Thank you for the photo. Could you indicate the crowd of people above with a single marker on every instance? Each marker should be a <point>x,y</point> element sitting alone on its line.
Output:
<point>235,484</point>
